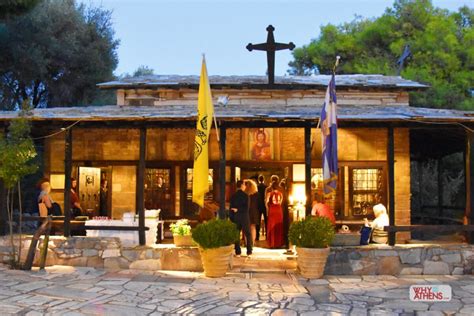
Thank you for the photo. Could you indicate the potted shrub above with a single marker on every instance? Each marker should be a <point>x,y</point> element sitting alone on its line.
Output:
<point>216,240</point>
<point>312,237</point>
<point>182,233</point>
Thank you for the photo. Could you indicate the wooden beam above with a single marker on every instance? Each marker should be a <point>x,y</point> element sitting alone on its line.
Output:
<point>141,188</point>
<point>222,167</point>
<point>307,162</point>
<point>469,158</point>
<point>67,181</point>
<point>391,182</point>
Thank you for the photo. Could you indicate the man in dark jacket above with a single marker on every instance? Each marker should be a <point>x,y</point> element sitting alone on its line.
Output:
<point>239,208</point>
<point>261,205</point>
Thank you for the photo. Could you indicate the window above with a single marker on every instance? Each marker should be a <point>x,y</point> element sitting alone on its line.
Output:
<point>191,209</point>
<point>158,191</point>
<point>367,188</point>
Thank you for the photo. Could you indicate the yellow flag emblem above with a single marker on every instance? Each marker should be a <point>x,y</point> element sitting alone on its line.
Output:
<point>201,141</point>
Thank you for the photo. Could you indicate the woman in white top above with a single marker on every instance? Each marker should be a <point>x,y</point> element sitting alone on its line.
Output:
<point>381,220</point>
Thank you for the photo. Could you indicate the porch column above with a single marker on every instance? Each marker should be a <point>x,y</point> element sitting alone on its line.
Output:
<point>222,166</point>
<point>469,158</point>
<point>67,181</point>
<point>391,183</point>
<point>307,171</point>
<point>141,188</point>
<point>3,210</point>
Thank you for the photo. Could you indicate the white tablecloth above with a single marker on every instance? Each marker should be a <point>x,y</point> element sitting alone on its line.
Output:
<point>128,238</point>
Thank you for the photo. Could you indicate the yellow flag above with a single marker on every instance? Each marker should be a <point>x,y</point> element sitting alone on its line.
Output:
<point>201,141</point>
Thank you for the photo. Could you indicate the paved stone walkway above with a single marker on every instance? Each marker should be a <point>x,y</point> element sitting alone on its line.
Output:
<point>62,290</point>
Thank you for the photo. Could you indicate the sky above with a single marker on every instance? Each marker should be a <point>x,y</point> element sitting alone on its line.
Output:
<point>170,36</point>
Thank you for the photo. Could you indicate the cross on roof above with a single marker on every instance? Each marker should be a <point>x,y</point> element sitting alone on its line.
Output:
<point>270,47</point>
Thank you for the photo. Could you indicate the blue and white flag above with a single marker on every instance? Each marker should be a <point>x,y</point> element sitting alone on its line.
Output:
<point>329,138</point>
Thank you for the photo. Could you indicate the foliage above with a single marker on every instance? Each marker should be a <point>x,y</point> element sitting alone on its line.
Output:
<point>10,8</point>
<point>55,55</point>
<point>143,71</point>
<point>215,233</point>
<point>181,228</point>
<point>441,42</point>
<point>17,153</point>
<point>312,232</point>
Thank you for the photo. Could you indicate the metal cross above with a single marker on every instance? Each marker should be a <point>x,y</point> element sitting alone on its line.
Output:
<point>270,47</point>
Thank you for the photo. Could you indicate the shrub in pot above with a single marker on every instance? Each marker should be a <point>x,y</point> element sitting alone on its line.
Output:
<point>312,237</point>
<point>216,240</point>
<point>182,233</point>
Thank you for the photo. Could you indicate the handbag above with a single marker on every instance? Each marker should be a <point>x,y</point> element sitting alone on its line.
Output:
<point>365,233</point>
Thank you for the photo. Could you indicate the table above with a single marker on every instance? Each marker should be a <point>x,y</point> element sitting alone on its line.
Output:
<point>128,238</point>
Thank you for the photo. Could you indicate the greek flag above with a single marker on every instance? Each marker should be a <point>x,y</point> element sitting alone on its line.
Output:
<point>329,138</point>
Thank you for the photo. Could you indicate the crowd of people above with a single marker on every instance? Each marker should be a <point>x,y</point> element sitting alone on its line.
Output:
<point>251,202</point>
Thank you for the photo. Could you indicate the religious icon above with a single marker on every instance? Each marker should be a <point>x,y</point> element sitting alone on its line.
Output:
<point>261,144</point>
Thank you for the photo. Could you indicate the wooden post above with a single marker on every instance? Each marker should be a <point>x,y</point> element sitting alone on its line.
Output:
<point>440,189</point>
<point>391,183</point>
<point>67,182</point>
<point>222,166</point>
<point>307,171</point>
<point>3,210</point>
<point>469,158</point>
<point>141,188</point>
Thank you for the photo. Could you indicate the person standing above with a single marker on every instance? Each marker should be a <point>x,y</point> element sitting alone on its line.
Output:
<point>262,209</point>
<point>76,209</point>
<point>284,207</point>
<point>104,197</point>
<point>239,207</point>
<point>275,217</point>
<point>254,213</point>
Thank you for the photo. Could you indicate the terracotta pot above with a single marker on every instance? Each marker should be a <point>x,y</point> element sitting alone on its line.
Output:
<point>183,241</point>
<point>311,261</point>
<point>216,261</point>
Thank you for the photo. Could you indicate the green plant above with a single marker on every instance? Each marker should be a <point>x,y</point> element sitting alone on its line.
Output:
<point>17,153</point>
<point>215,233</point>
<point>181,228</point>
<point>312,232</point>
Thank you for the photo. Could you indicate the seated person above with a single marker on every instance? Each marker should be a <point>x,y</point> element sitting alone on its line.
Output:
<point>44,197</point>
<point>322,210</point>
<point>379,236</point>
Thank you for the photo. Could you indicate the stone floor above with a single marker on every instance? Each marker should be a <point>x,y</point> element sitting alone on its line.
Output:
<point>64,290</point>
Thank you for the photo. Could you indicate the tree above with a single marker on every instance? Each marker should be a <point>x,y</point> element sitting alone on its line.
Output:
<point>441,43</point>
<point>56,54</point>
<point>17,152</point>
<point>143,71</point>
<point>9,8</point>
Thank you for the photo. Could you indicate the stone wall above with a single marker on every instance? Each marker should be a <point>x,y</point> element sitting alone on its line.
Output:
<point>108,253</point>
<point>401,260</point>
<point>359,260</point>
<point>249,97</point>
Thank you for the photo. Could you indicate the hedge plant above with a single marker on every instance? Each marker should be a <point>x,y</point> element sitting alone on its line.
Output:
<point>215,233</point>
<point>312,232</point>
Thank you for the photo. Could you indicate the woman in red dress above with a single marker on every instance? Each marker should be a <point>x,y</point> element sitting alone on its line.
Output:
<point>275,218</point>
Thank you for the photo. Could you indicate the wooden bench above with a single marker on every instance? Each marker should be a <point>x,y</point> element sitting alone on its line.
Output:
<point>428,228</point>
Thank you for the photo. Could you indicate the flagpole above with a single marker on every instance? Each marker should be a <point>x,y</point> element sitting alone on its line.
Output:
<point>214,113</point>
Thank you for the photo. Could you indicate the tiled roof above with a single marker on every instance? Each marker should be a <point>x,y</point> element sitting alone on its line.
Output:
<point>240,112</point>
<point>283,82</point>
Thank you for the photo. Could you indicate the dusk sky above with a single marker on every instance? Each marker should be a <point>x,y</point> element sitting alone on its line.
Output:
<point>170,36</point>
